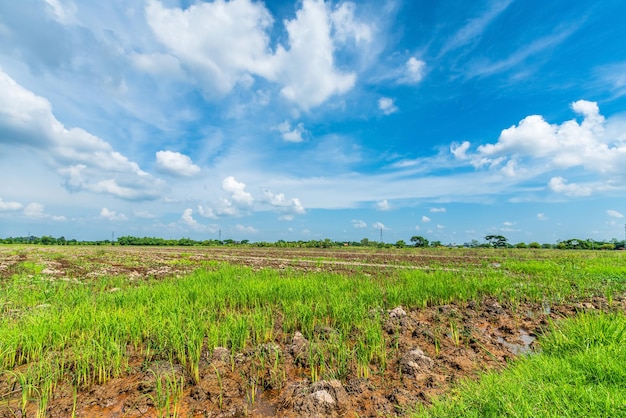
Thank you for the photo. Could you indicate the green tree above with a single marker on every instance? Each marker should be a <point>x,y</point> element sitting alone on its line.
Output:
<point>497,241</point>
<point>401,244</point>
<point>419,241</point>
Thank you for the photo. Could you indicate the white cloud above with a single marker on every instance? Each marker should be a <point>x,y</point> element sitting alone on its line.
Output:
<point>542,217</point>
<point>176,164</point>
<point>237,191</point>
<point>9,206</point>
<point>425,219</point>
<point>34,210</point>
<point>85,161</point>
<point>289,134</point>
<point>224,207</point>
<point>440,226</point>
<point>386,105</point>
<point>534,147</point>
<point>359,224</point>
<point>279,200</point>
<point>614,213</point>
<point>207,212</point>
<point>187,218</point>
<point>219,43</point>
<point>437,210</point>
<point>286,218</point>
<point>379,225</point>
<point>246,229</point>
<point>383,205</point>
<point>37,211</point>
<point>413,71</point>
<point>460,150</point>
<point>112,215</point>
<point>417,227</point>
<point>346,27</point>
<point>223,44</point>
<point>560,185</point>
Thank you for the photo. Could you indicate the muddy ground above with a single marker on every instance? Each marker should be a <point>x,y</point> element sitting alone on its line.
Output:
<point>425,354</point>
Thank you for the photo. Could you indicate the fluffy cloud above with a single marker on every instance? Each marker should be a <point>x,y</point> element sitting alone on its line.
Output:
<point>383,205</point>
<point>237,191</point>
<point>379,225</point>
<point>112,215</point>
<point>386,105</point>
<point>34,211</point>
<point>614,214</point>
<point>359,224</point>
<point>85,161</point>
<point>176,164</point>
<point>37,211</point>
<point>246,229</point>
<point>542,217</point>
<point>560,185</point>
<point>187,219</point>
<point>289,134</point>
<point>562,146</point>
<point>9,206</point>
<point>413,71</point>
<point>425,219</point>
<point>534,147</point>
<point>346,28</point>
<point>279,200</point>
<point>437,210</point>
<point>222,44</point>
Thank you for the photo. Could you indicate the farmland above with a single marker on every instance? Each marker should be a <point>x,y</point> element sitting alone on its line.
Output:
<point>236,331</point>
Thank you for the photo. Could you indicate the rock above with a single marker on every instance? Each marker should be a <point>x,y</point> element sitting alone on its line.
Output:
<point>415,362</point>
<point>326,398</point>
<point>397,312</point>
<point>299,349</point>
<point>323,399</point>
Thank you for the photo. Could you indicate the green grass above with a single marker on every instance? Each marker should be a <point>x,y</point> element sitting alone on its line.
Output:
<point>581,372</point>
<point>84,331</point>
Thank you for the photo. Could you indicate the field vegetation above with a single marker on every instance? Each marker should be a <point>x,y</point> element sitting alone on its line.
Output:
<point>223,331</point>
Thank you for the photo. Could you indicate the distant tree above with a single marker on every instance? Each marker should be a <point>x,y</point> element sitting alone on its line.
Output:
<point>534,245</point>
<point>521,245</point>
<point>419,241</point>
<point>436,244</point>
<point>497,241</point>
<point>401,244</point>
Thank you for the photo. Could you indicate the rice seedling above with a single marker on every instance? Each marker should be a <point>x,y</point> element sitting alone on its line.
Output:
<point>89,329</point>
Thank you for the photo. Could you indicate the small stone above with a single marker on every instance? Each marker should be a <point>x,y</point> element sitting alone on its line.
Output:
<point>322,397</point>
<point>397,312</point>
<point>415,362</point>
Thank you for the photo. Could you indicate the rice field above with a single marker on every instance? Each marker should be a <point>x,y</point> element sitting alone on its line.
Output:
<point>236,331</point>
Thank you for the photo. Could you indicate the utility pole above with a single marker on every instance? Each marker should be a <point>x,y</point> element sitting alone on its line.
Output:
<point>381,234</point>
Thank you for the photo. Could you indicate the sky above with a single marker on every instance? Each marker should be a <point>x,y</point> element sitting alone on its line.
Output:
<point>304,120</point>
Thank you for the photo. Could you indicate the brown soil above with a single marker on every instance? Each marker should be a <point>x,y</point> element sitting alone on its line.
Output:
<point>429,349</point>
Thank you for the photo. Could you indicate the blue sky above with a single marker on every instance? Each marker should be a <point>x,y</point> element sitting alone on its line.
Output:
<point>310,120</point>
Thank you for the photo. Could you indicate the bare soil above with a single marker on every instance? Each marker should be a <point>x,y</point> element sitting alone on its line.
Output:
<point>426,355</point>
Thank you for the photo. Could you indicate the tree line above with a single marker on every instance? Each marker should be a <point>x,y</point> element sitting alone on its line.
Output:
<point>490,241</point>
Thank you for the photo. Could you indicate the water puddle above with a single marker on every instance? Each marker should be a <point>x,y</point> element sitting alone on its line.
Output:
<point>519,348</point>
